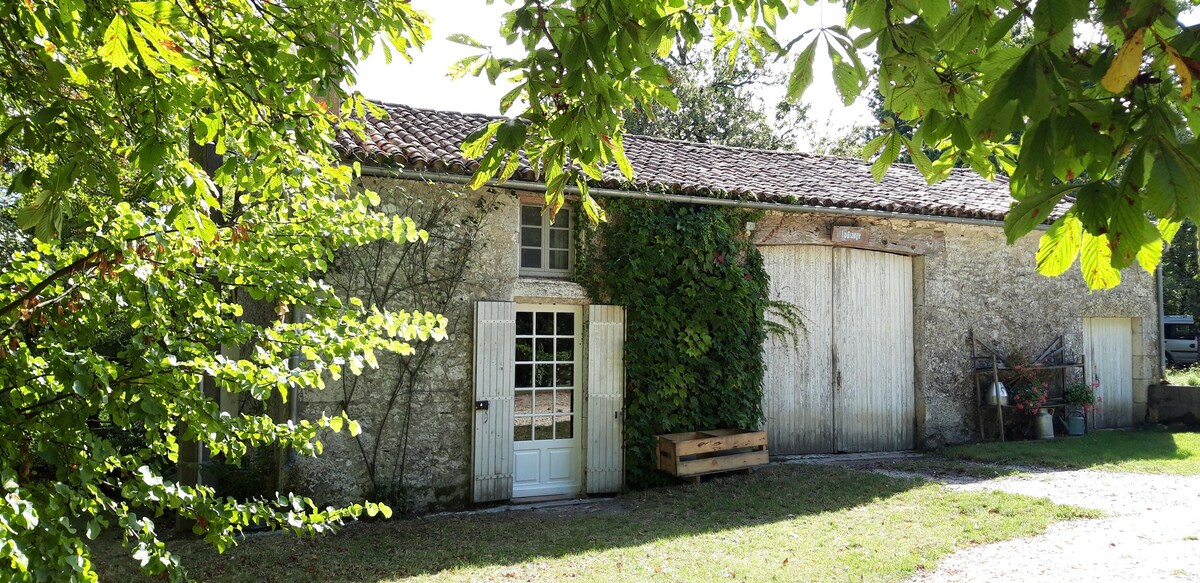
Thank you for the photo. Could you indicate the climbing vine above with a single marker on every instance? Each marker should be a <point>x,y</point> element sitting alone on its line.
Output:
<point>429,277</point>
<point>697,297</point>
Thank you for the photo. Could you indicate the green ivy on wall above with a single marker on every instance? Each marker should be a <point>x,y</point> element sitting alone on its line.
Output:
<point>696,292</point>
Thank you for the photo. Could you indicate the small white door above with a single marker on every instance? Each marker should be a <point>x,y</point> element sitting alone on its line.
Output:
<point>1109,345</point>
<point>545,437</point>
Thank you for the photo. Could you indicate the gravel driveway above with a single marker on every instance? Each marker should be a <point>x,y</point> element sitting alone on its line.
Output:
<point>1151,532</point>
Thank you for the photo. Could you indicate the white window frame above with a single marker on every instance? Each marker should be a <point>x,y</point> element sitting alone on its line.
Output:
<point>545,270</point>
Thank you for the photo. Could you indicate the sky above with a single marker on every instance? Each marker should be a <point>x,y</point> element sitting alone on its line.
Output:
<point>424,82</point>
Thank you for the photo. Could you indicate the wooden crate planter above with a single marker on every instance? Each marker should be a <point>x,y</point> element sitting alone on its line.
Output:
<point>695,453</point>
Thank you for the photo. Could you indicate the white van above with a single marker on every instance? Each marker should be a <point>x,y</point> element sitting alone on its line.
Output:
<point>1179,339</point>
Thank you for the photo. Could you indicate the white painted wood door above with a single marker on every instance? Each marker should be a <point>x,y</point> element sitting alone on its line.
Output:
<point>545,436</point>
<point>848,385</point>
<point>605,399</point>
<point>1109,345</point>
<point>874,400</point>
<point>492,461</point>
<point>797,400</point>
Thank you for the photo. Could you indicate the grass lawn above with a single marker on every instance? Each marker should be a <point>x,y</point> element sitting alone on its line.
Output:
<point>1189,376</point>
<point>1159,452</point>
<point>791,523</point>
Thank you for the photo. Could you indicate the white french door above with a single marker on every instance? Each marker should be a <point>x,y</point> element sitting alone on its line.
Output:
<point>546,404</point>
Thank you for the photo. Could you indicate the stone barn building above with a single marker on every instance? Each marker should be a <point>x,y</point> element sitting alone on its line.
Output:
<point>894,280</point>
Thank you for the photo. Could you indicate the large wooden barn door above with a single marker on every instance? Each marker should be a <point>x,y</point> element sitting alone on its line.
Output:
<point>1109,346</point>
<point>873,351</point>
<point>797,399</point>
<point>848,385</point>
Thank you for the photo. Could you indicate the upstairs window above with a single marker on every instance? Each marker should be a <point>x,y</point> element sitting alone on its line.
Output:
<point>546,249</point>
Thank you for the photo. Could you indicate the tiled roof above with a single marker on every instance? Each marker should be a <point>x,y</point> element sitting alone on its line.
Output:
<point>429,140</point>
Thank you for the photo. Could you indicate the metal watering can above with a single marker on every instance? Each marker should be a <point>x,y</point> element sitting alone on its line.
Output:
<point>1076,422</point>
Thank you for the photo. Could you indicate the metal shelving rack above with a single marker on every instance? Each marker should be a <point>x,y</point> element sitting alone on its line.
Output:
<point>986,363</point>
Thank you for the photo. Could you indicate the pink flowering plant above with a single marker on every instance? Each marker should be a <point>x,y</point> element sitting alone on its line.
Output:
<point>1082,394</point>
<point>1030,396</point>
<point>1029,392</point>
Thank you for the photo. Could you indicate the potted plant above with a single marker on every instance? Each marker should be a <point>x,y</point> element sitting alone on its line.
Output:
<point>1081,399</point>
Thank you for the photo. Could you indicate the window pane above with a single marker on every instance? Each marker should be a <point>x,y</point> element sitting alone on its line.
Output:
<point>565,324</point>
<point>524,375</point>
<point>522,428</point>
<point>545,324</point>
<point>531,215</point>
<point>524,323</point>
<point>559,239</point>
<point>564,401</point>
<point>523,404</point>
<point>566,350</point>
<point>543,427</point>
<point>532,237</point>
<point>545,349</point>
<point>566,375</point>
<point>531,258</point>
<point>563,427</point>
<point>545,375</point>
<point>560,260</point>
<point>524,349</point>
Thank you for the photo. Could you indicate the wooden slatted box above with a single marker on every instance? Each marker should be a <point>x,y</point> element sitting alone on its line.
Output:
<point>695,453</point>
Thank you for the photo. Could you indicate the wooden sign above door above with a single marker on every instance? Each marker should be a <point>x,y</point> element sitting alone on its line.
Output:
<point>851,235</point>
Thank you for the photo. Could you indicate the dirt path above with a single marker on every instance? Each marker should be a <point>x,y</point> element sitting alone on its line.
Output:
<point>1151,533</point>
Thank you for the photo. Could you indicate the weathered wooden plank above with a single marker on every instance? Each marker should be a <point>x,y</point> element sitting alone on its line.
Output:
<point>720,443</point>
<point>722,463</point>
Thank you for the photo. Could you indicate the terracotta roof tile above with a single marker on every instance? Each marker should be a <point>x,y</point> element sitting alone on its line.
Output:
<point>423,139</point>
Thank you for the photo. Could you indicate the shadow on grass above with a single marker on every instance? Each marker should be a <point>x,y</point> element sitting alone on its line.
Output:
<point>404,548</point>
<point>1147,451</point>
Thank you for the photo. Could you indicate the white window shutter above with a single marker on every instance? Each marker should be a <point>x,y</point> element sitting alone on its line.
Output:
<point>495,347</point>
<point>606,391</point>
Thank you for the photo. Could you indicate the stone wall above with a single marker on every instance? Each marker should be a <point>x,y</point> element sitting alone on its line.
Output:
<point>966,278</point>
<point>1174,404</point>
<point>415,414</point>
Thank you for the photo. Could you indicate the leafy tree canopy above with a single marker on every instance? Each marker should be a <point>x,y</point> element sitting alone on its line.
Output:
<point>1099,89</point>
<point>123,319</point>
<point>718,104</point>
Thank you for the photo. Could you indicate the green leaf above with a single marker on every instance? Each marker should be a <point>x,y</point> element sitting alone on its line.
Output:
<point>1033,211</point>
<point>891,150</point>
<point>1060,245</point>
<point>463,39</point>
<point>115,50</point>
<point>1096,263</point>
<point>802,72</point>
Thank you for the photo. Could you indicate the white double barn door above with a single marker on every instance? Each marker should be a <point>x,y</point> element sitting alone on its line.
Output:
<point>847,383</point>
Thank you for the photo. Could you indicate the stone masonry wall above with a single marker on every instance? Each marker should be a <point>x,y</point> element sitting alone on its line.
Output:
<point>967,278</point>
<point>423,458</point>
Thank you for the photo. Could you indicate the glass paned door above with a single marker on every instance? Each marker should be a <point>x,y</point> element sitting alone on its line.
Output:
<point>545,417</point>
